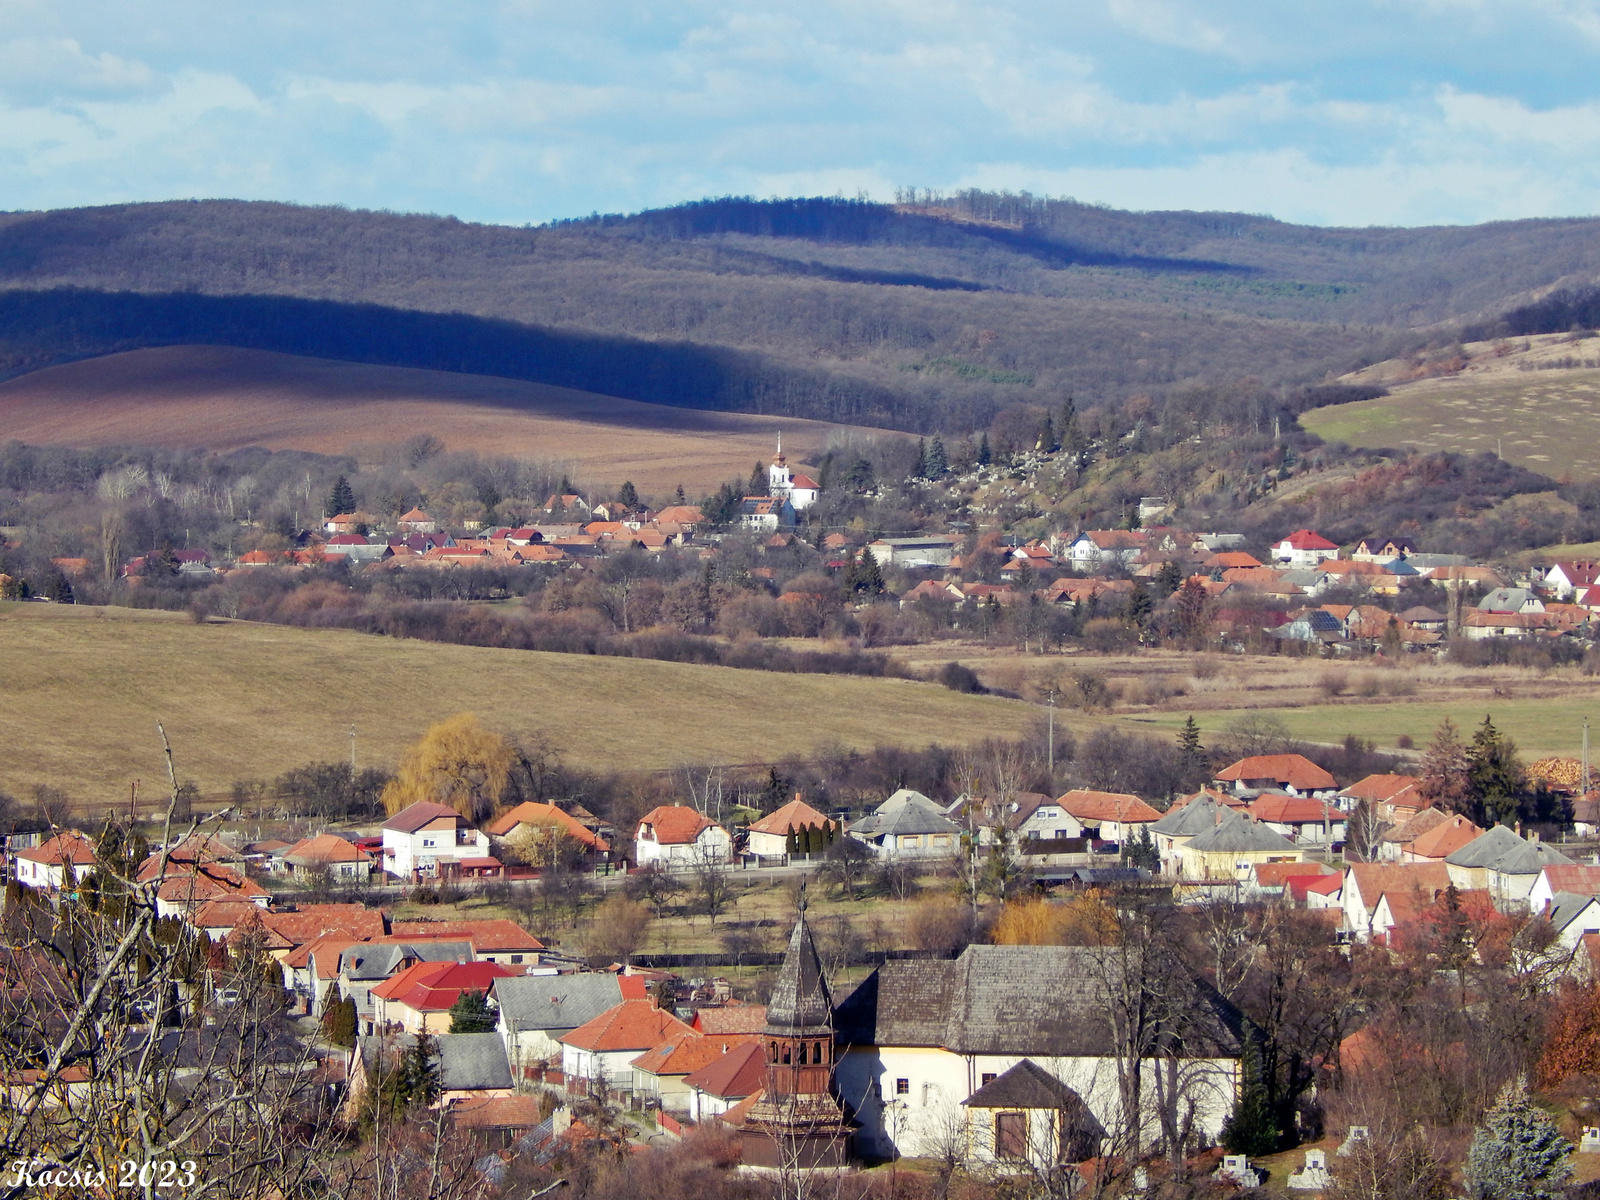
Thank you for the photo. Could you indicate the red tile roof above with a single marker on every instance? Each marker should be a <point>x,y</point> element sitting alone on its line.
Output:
<point>435,986</point>
<point>496,1112</point>
<point>739,1073</point>
<point>1292,770</point>
<point>794,815</point>
<point>1305,539</point>
<point>1292,810</point>
<point>1301,886</point>
<point>532,813</point>
<point>1577,878</point>
<point>1444,839</point>
<point>313,920</point>
<point>1376,879</point>
<point>675,824</point>
<point>1107,806</point>
<point>324,848</point>
<point>69,845</point>
<point>686,1051</point>
<point>1278,874</point>
<point>731,1018</point>
<point>630,1025</point>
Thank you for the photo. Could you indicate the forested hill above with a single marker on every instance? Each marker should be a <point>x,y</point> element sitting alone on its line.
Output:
<point>932,313</point>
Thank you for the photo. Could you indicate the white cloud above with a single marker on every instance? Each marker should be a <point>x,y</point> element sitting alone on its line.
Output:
<point>44,69</point>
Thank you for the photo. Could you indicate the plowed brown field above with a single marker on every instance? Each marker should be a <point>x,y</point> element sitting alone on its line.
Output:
<point>222,398</point>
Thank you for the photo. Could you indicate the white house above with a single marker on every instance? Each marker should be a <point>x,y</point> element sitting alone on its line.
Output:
<point>913,551</point>
<point>675,835</point>
<point>908,825</point>
<point>428,839</point>
<point>720,1085</point>
<point>1304,548</point>
<point>1366,883</point>
<point>46,867</point>
<point>766,513</point>
<point>1110,816</point>
<point>1567,577</point>
<point>1099,547</point>
<point>919,1040</point>
<point>604,1048</point>
<point>537,1011</point>
<point>1579,879</point>
<point>769,837</point>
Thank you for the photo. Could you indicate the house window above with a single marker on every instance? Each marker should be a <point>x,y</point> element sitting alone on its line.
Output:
<point>516,958</point>
<point>941,839</point>
<point>988,1077</point>
<point>426,842</point>
<point>902,1087</point>
<point>1011,1135</point>
<point>911,840</point>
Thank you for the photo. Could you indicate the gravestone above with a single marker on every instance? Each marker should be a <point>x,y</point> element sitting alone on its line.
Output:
<point>1236,1169</point>
<point>1357,1133</point>
<point>1591,1140</point>
<point>1314,1175</point>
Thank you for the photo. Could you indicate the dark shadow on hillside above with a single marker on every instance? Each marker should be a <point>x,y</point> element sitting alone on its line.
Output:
<point>45,328</point>
<point>862,222</point>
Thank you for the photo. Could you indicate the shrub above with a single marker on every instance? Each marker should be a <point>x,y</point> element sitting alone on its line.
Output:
<point>961,679</point>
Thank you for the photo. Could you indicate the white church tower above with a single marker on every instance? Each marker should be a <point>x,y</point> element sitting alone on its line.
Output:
<point>801,490</point>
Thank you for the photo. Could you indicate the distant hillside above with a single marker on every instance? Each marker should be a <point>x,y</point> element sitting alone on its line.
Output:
<point>936,313</point>
<point>222,398</point>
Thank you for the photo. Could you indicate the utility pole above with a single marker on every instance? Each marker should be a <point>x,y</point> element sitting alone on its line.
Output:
<point>1584,787</point>
<point>1052,752</point>
<point>352,749</point>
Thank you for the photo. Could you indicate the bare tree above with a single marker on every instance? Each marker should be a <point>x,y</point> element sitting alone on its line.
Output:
<point>713,885</point>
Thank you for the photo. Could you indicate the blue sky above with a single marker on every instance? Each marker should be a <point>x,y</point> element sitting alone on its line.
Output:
<point>1346,112</point>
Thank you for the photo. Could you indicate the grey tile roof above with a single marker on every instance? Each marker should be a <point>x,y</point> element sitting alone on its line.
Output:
<point>1566,908</point>
<point>377,960</point>
<point>467,1061</point>
<point>555,1002</point>
<point>1193,818</point>
<point>800,999</point>
<point>1239,833</point>
<point>1039,1001</point>
<point>1529,859</point>
<point>1486,849</point>
<point>905,812</point>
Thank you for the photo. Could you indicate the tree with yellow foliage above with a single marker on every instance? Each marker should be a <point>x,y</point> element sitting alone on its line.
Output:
<point>1083,921</point>
<point>457,763</point>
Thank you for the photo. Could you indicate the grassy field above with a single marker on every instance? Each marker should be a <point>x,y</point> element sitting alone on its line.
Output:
<point>222,398</point>
<point>1540,727</point>
<point>81,690</point>
<point>1510,399</point>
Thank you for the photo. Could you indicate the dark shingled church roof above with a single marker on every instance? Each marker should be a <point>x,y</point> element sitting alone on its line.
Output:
<point>800,997</point>
<point>1028,1085</point>
<point>1042,1001</point>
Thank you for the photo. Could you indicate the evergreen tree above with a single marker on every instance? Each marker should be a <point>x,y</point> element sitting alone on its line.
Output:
<point>1252,1128</point>
<point>420,1072</point>
<point>1517,1153</point>
<point>1495,773</point>
<point>1170,579</point>
<point>985,456</point>
<point>1047,435</point>
<point>681,499</point>
<point>1194,762</point>
<point>1141,851</point>
<point>1445,779</point>
<point>922,459</point>
<point>628,496</point>
<point>341,500</point>
<point>791,843</point>
<point>471,1014</point>
<point>1140,605</point>
<point>937,462</point>
<point>566,487</point>
<point>775,794</point>
<point>867,576</point>
<point>339,1019</point>
<point>758,481</point>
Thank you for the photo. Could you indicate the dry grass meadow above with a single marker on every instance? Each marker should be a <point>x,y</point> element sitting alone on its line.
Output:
<point>1511,398</point>
<point>1319,701</point>
<point>223,398</point>
<point>81,690</point>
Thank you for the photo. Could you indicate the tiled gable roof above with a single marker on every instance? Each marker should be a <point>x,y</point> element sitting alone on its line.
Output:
<point>684,1052</point>
<point>731,1018</point>
<point>1292,810</point>
<point>1028,1085</point>
<point>67,846</point>
<point>1294,770</point>
<point>1306,539</point>
<point>630,1025</point>
<point>1372,880</point>
<point>532,813</point>
<point>1445,838</point>
<point>1107,806</point>
<point>415,816</point>
<point>1037,1001</point>
<point>324,848</point>
<point>741,1072</point>
<point>1240,834</point>
<point>488,935</point>
<point>1578,878</point>
<point>675,824</point>
<point>435,986</point>
<point>796,814</point>
<point>1382,789</point>
<point>564,1001</point>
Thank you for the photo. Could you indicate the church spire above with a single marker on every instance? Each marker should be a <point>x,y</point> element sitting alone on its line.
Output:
<point>801,1002</point>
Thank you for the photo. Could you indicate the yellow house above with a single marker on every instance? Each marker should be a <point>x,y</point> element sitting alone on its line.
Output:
<point>1230,849</point>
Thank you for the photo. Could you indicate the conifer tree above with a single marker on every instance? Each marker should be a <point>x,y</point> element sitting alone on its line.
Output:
<point>1047,435</point>
<point>1517,1153</point>
<point>681,498</point>
<point>471,1013</point>
<point>1495,773</point>
<point>868,575</point>
<point>1251,1129</point>
<point>758,481</point>
<point>985,456</point>
<point>1140,605</point>
<point>922,459</point>
<point>629,496</point>
<point>937,461</point>
<point>341,500</point>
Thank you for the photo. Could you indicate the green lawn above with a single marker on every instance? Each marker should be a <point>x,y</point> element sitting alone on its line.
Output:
<point>1540,727</point>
